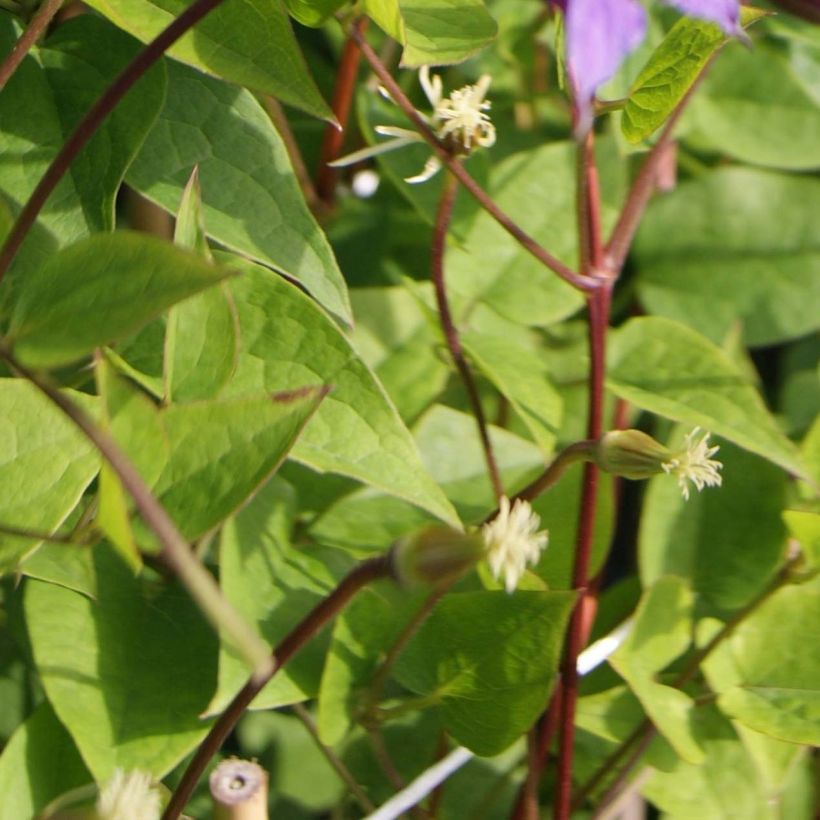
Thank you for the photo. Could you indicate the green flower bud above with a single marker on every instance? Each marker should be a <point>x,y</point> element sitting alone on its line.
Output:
<point>436,555</point>
<point>631,454</point>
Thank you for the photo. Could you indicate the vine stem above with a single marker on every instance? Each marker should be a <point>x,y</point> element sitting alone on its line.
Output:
<point>37,535</point>
<point>342,99</point>
<point>637,742</point>
<point>444,213</point>
<point>333,759</point>
<point>92,120</point>
<point>581,282</point>
<point>362,574</point>
<point>598,304</point>
<point>176,552</point>
<point>36,27</point>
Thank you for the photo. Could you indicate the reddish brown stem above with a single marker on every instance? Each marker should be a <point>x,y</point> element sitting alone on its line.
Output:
<point>442,223</point>
<point>342,99</point>
<point>361,575</point>
<point>92,120</point>
<point>577,280</point>
<point>36,27</point>
<point>599,303</point>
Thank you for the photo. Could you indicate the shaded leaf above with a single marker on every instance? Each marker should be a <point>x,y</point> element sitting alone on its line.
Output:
<point>669,369</point>
<point>251,200</point>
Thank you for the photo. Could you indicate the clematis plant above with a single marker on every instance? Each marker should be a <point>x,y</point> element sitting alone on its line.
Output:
<point>601,33</point>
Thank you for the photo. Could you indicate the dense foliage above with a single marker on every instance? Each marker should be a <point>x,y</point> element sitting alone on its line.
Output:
<point>237,383</point>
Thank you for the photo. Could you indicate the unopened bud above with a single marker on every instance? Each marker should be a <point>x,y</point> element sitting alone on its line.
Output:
<point>436,555</point>
<point>631,454</point>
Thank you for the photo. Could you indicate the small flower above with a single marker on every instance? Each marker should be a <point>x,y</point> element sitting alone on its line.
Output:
<point>459,121</point>
<point>512,540</point>
<point>695,464</point>
<point>131,796</point>
<point>600,34</point>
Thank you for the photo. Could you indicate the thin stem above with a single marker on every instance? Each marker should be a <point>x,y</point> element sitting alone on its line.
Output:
<point>92,120</point>
<point>448,327</point>
<point>333,759</point>
<point>582,282</point>
<point>342,99</point>
<point>639,739</point>
<point>361,575</point>
<point>176,552</point>
<point>37,535</point>
<point>36,27</point>
<point>579,451</point>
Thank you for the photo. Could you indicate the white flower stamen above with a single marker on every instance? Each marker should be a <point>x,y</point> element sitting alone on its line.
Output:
<point>131,796</point>
<point>512,541</point>
<point>459,121</point>
<point>695,464</point>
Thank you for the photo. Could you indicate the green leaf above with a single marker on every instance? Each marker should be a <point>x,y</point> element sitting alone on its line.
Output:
<point>129,674</point>
<point>755,106</point>
<point>728,541</point>
<point>434,32</point>
<point>72,568</point>
<point>450,448</point>
<point>767,673</point>
<point>222,451</point>
<point>100,289</point>
<point>668,369</point>
<point>29,778</point>
<point>734,245</point>
<point>288,342</point>
<point>520,375</point>
<point>246,42</point>
<point>672,69</point>
<point>45,97</point>
<point>313,12</point>
<point>661,631</point>
<point>46,463</point>
<point>252,202</point>
<point>133,420</point>
<point>726,783</point>
<point>202,333</point>
<point>272,585</point>
<point>361,636</point>
<point>490,659</point>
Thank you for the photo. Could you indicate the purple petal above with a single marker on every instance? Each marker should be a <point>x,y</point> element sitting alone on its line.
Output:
<point>726,13</point>
<point>599,34</point>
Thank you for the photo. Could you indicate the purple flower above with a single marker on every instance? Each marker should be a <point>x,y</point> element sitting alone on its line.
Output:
<point>600,33</point>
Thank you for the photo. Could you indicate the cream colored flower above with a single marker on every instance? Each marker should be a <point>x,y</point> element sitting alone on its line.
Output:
<point>459,121</point>
<point>131,796</point>
<point>695,464</point>
<point>512,540</point>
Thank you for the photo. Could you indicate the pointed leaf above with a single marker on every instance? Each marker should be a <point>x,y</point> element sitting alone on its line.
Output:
<point>45,465</point>
<point>45,98</point>
<point>128,674</point>
<point>249,43</point>
<point>669,369</point>
<point>287,342</point>
<point>251,198</point>
<point>98,290</point>
<point>672,69</point>
<point>491,660</point>
<point>223,451</point>
<point>733,245</point>
<point>434,32</point>
<point>29,780</point>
